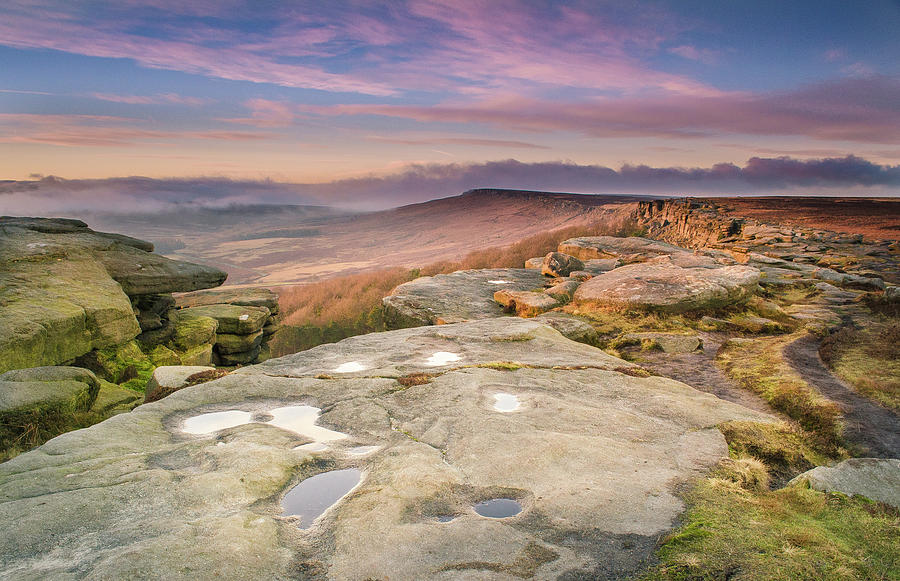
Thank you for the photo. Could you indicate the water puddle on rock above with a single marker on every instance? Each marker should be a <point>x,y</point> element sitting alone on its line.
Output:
<point>441,358</point>
<point>498,508</point>
<point>506,402</point>
<point>215,421</point>
<point>362,450</point>
<point>499,282</point>
<point>301,419</point>
<point>446,517</point>
<point>349,367</point>
<point>312,497</point>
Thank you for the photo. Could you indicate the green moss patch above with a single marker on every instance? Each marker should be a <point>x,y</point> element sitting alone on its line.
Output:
<point>792,533</point>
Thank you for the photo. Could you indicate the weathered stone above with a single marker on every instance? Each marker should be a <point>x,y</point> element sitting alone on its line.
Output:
<point>580,275</point>
<point>154,337</point>
<point>595,457</point>
<point>564,290</point>
<point>162,355</point>
<point>667,342</point>
<point>874,478</point>
<point>588,247</point>
<point>525,303</point>
<point>113,399</point>
<point>666,287</point>
<point>571,327</point>
<point>239,358</point>
<point>159,304</point>
<point>149,321</point>
<point>244,297</point>
<point>451,298</point>
<point>228,343</point>
<point>270,329</point>
<point>536,262</point>
<point>141,273</point>
<point>232,319</point>
<point>597,266</point>
<point>168,379</point>
<point>560,264</point>
<point>42,396</point>
<point>114,363</point>
<point>192,329</point>
<point>200,355</point>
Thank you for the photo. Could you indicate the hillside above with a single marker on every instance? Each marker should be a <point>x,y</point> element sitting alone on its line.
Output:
<point>297,244</point>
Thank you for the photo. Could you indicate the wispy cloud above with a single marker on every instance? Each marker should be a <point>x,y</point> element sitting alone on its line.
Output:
<point>159,99</point>
<point>100,131</point>
<point>864,109</point>
<point>458,141</point>
<point>467,48</point>
<point>416,183</point>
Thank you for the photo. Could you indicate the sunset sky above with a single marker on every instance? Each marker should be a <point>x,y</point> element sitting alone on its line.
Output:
<point>318,92</point>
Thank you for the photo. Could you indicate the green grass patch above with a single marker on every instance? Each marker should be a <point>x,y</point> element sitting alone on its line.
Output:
<point>868,359</point>
<point>793,533</point>
<point>759,366</point>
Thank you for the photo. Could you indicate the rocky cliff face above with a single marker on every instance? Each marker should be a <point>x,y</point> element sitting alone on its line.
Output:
<point>104,302</point>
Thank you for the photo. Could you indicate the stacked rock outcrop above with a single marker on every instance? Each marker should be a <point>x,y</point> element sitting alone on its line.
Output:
<point>68,292</point>
<point>241,320</point>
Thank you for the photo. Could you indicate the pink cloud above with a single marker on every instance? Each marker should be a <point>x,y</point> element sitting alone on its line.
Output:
<point>266,113</point>
<point>469,48</point>
<point>99,131</point>
<point>864,110</point>
<point>693,53</point>
<point>163,98</point>
<point>458,141</point>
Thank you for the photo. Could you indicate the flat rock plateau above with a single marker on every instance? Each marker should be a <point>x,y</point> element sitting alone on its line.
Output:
<point>486,436</point>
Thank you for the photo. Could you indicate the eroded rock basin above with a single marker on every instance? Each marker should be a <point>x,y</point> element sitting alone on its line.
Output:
<point>595,459</point>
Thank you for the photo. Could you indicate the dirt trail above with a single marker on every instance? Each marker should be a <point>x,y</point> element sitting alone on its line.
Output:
<point>867,424</point>
<point>699,370</point>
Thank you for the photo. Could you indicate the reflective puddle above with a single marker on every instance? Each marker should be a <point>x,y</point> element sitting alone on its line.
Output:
<point>446,517</point>
<point>350,367</point>
<point>498,508</point>
<point>312,497</point>
<point>215,421</point>
<point>506,402</point>
<point>441,358</point>
<point>499,282</point>
<point>301,419</point>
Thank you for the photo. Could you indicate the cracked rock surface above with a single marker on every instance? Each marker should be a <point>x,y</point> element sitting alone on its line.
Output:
<point>593,456</point>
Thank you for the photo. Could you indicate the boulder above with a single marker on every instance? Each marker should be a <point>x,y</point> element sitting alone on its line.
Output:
<point>559,264</point>
<point>231,319</point>
<point>875,478</point>
<point>192,329</point>
<point>238,358</point>
<point>537,262</point>
<point>141,273</point>
<point>667,342</point>
<point>588,247</point>
<point>200,355</point>
<point>597,266</point>
<point>525,303</point>
<point>597,460</point>
<point>45,398</point>
<point>168,379</point>
<point>450,298</point>
<point>244,297</point>
<point>667,287</point>
<point>228,343</point>
<point>563,291</point>
<point>571,327</point>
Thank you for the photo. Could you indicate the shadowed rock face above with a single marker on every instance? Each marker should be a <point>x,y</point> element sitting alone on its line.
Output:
<point>451,298</point>
<point>592,455</point>
<point>64,289</point>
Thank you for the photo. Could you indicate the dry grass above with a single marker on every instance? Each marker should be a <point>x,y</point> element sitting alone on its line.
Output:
<point>868,359</point>
<point>341,307</point>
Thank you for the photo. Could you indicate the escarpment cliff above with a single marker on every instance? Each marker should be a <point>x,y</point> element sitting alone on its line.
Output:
<point>71,296</point>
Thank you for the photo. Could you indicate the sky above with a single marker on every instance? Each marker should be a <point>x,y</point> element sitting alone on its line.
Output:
<point>376,103</point>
